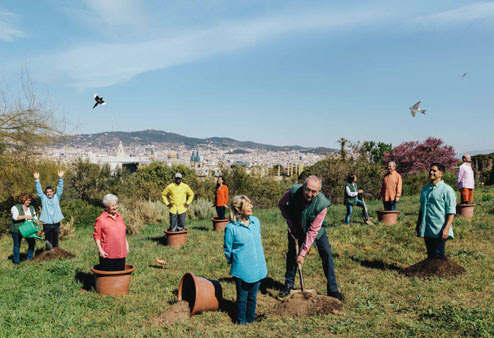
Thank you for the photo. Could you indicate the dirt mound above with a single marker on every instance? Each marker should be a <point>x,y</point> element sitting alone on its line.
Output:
<point>434,267</point>
<point>177,312</point>
<point>55,253</point>
<point>308,304</point>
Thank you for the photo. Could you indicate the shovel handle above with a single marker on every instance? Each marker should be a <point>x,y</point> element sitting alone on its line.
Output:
<point>297,250</point>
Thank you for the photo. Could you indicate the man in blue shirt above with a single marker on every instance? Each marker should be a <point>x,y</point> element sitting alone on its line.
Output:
<point>51,214</point>
<point>436,213</point>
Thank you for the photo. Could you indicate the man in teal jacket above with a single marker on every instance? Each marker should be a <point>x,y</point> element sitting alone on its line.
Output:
<point>304,207</point>
<point>51,214</point>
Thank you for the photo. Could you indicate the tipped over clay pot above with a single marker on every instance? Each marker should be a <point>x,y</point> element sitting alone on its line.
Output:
<point>202,294</point>
<point>388,216</point>
<point>219,224</point>
<point>176,239</point>
<point>112,283</point>
<point>465,210</point>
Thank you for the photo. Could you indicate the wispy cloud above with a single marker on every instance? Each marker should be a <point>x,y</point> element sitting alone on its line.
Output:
<point>109,13</point>
<point>105,64</point>
<point>476,11</point>
<point>8,30</point>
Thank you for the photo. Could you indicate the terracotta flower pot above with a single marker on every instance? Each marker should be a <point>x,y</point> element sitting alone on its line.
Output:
<point>202,294</point>
<point>113,283</point>
<point>176,239</point>
<point>219,224</point>
<point>388,216</point>
<point>465,210</point>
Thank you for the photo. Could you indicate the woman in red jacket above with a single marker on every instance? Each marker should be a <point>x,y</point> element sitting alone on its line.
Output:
<point>109,235</point>
<point>221,197</point>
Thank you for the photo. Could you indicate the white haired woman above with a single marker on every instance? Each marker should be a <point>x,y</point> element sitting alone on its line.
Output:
<point>109,235</point>
<point>243,250</point>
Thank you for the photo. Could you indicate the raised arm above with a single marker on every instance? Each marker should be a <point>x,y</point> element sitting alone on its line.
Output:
<point>37,184</point>
<point>60,184</point>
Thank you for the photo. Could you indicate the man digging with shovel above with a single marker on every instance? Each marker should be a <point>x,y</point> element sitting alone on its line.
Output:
<point>304,207</point>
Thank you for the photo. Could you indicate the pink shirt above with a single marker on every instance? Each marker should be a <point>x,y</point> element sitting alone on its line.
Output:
<point>111,233</point>
<point>465,178</point>
<point>311,234</point>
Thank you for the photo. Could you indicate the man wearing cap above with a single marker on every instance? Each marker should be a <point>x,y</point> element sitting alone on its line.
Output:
<point>465,180</point>
<point>51,214</point>
<point>177,196</point>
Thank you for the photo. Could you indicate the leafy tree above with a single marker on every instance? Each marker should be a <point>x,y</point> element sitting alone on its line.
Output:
<point>414,157</point>
<point>376,151</point>
<point>334,173</point>
<point>88,181</point>
<point>25,124</point>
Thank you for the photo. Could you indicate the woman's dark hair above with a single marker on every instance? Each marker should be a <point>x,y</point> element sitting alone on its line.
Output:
<point>350,178</point>
<point>24,197</point>
<point>439,166</point>
<point>217,184</point>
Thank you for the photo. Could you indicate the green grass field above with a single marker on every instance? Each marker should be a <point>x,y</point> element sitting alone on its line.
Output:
<point>46,299</point>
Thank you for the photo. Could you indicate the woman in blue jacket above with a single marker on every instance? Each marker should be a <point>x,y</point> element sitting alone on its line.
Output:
<point>243,250</point>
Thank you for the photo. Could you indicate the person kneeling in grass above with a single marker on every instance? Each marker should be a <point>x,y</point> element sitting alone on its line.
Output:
<point>243,250</point>
<point>436,213</point>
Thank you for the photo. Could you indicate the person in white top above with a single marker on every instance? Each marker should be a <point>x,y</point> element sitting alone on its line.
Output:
<point>465,180</point>
<point>22,211</point>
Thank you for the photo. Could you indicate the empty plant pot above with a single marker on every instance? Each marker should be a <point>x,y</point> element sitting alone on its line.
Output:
<point>219,224</point>
<point>202,294</point>
<point>466,210</point>
<point>176,239</point>
<point>112,283</point>
<point>388,216</point>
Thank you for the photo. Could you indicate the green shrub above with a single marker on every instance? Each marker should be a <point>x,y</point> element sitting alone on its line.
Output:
<point>413,184</point>
<point>201,209</point>
<point>83,212</point>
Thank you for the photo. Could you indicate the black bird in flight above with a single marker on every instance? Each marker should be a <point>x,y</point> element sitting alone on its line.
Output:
<point>99,100</point>
<point>464,75</point>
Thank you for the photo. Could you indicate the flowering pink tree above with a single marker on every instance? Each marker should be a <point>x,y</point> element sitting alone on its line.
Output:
<point>414,157</point>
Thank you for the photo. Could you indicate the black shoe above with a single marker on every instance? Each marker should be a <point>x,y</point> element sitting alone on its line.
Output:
<point>336,295</point>
<point>285,291</point>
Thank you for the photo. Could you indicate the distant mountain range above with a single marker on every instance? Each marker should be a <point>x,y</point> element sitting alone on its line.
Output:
<point>475,152</point>
<point>163,138</point>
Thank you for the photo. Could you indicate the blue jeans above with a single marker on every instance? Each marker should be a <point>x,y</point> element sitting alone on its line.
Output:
<point>389,205</point>
<point>349,209</point>
<point>435,247</point>
<point>17,238</point>
<point>246,300</point>
<point>324,249</point>
<point>177,222</point>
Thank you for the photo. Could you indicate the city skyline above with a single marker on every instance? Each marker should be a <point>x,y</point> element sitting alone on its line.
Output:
<point>280,73</point>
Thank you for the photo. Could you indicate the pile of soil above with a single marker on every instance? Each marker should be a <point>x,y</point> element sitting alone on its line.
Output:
<point>434,267</point>
<point>179,311</point>
<point>308,304</point>
<point>55,253</point>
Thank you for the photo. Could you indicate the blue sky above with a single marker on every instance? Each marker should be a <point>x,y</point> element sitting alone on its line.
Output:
<point>278,72</point>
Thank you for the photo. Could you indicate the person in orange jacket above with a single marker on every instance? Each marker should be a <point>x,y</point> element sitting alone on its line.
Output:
<point>221,197</point>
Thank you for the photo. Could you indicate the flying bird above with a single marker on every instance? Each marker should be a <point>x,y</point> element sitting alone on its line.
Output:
<point>464,75</point>
<point>415,109</point>
<point>99,100</point>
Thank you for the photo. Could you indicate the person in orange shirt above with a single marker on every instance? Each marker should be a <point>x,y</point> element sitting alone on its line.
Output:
<point>391,188</point>
<point>221,197</point>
